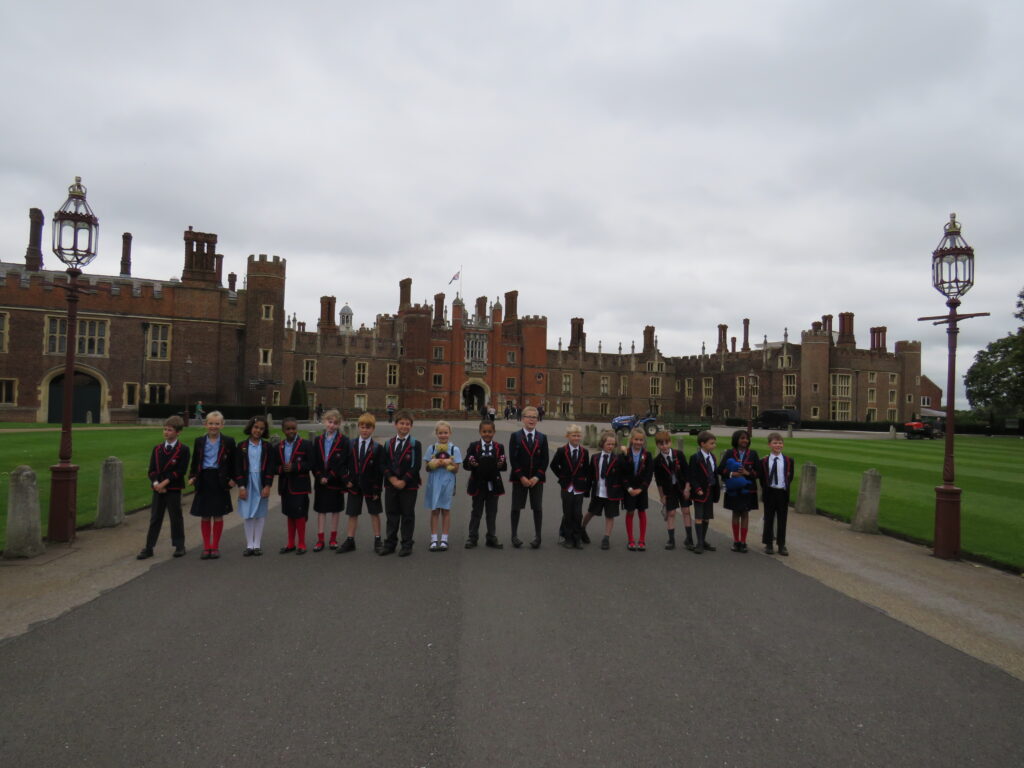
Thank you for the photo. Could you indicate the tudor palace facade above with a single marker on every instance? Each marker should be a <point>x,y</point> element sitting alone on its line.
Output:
<point>195,338</point>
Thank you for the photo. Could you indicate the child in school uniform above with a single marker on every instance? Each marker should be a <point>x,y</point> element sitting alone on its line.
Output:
<point>673,490</point>
<point>168,464</point>
<point>607,488</point>
<point>637,472</point>
<point>485,461</point>
<point>256,469</point>
<point>443,459</point>
<point>402,482</point>
<point>739,467</point>
<point>571,465</point>
<point>705,489</point>
<point>330,472</point>
<point>528,459</point>
<point>213,473</point>
<point>365,483</point>
<point>776,475</point>
<point>294,463</point>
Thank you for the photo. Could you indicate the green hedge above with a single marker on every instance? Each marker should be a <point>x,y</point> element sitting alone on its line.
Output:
<point>232,412</point>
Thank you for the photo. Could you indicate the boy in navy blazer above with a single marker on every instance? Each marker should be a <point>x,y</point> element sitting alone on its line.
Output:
<point>571,465</point>
<point>294,463</point>
<point>705,488</point>
<point>528,459</point>
<point>330,470</point>
<point>606,486</point>
<point>485,461</point>
<point>365,483</point>
<point>775,472</point>
<point>404,456</point>
<point>674,491</point>
<point>167,466</point>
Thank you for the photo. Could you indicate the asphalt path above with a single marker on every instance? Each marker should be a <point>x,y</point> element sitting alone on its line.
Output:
<point>494,658</point>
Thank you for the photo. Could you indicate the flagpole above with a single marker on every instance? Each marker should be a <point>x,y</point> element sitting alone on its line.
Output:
<point>460,282</point>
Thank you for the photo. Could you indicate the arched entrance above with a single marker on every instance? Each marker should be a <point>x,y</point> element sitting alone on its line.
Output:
<point>475,395</point>
<point>708,411</point>
<point>85,399</point>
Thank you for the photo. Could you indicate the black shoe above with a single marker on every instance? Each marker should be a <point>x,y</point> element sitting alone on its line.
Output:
<point>535,544</point>
<point>743,546</point>
<point>641,547</point>
<point>769,550</point>
<point>493,543</point>
<point>567,543</point>
<point>257,552</point>
<point>346,546</point>
<point>405,551</point>
<point>605,543</point>
<point>179,552</point>
<point>318,547</point>
<point>737,547</point>
<point>333,544</point>
<point>285,550</point>
<point>783,551</point>
<point>698,550</point>
<point>215,554</point>
<point>670,545</point>
<point>688,544</point>
<point>471,543</point>
<point>584,538</point>
<point>708,547</point>
<point>378,545</point>
<point>205,555</point>
<point>577,544</point>
<point>300,551</point>
<point>386,550</point>
<point>144,554</point>
<point>631,547</point>
<point>516,542</point>
<point>247,552</point>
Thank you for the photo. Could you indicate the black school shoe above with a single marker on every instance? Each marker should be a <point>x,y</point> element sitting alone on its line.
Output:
<point>179,552</point>
<point>346,546</point>
<point>783,551</point>
<point>584,538</point>
<point>145,554</point>
<point>405,551</point>
<point>493,543</point>
<point>605,543</point>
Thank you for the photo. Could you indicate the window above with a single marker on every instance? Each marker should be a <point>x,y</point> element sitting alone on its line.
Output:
<point>892,378</point>
<point>92,337</point>
<point>158,341</point>
<point>604,409</point>
<point>510,356</point>
<point>56,335</point>
<point>872,377</point>
<point>689,387</point>
<point>437,403</point>
<point>265,356</point>
<point>4,321</point>
<point>709,388</point>
<point>566,407</point>
<point>623,385</point>
<point>604,385</point>
<point>268,312</point>
<point>566,383</point>
<point>926,401</point>
<point>840,410</point>
<point>679,385</point>
<point>275,397</point>
<point>753,386</point>
<point>754,411</point>
<point>871,395</point>
<point>130,396</point>
<point>359,402</point>
<point>309,371</point>
<point>8,391</point>
<point>841,384</point>
<point>476,347</point>
<point>392,374</point>
<point>391,400</point>
<point>362,369</point>
<point>437,380</point>
<point>892,414</point>
<point>655,367</point>
<point>814,387</point>
<point>725,413</point>
<point>789,385</point>
<point>510,383</point>
<point>655,386</point>
<point>910,398</point>
<point>892,396</point>
<point>872,415</point>
<point>785,361</point>
<point>815,412</point>
<point>741,387</point>
<point>157,393</point>
<point>439,353</point>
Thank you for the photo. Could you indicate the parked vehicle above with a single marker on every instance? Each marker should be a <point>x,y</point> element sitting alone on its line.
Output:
<point>921,429</point>
<point>623,425</point>
<point>779,418</point>
<point>676,424</point>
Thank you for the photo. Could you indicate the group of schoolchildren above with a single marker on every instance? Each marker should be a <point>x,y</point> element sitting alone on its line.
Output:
<point>344,475</point>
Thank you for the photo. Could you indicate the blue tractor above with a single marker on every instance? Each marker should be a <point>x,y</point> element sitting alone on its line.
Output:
<point>623,425</point>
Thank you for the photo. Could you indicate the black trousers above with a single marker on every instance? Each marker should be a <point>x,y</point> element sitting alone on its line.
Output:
<point>483,502</point>
<point>170,503</point>
<point>519,496</point>
<point>572,515</point>
<point>776,510</point>
<point>400,510</point>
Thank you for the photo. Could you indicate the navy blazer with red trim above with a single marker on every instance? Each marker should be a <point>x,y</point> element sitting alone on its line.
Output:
<point>613,479</point>
<point>666,469</point>
<point>764,469</point>
<point>578,475</point>
<point>296,482</point>
<point>366,476</point>
<point>481,475</point>
<point>639,476</point>
<point>172,465</point>
<point>336,466</point>
<point>523,461</point>
<point>702,486</point>
<point>268,464</point>
<point>227,458</point>
<point>405,466</point>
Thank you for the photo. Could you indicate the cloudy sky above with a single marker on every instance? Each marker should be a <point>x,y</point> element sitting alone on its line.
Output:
<point>680,163</point>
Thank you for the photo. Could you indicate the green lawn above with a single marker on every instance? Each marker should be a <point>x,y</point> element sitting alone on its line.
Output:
<point>89,449</point>
<point>987,469</point>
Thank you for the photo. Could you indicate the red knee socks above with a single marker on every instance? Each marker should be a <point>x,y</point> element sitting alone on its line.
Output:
<point>300,533</point>
<point>205,526</point>
<point>643,525</point>
<point>218,529</point>
<point>629,526</point>
<point>743,535</point>
<point>735,531</point>
<point>291,533</point>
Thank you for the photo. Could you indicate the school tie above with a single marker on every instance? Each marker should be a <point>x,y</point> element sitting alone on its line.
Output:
<point>711,467</point>
<point>604,465</point>
<point>362,451</point>
<point>575,454</point>
<point>399,447</point>
<point>529,441</point>
<point>773,478</point>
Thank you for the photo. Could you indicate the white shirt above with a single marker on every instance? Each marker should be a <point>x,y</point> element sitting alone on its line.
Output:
<point>668,461</point>
<point>602,486</point>
<point>780,473</point>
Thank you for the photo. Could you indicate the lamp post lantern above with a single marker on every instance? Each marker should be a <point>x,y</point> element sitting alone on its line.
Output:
<point>952,276</point>
<point>75,234</point>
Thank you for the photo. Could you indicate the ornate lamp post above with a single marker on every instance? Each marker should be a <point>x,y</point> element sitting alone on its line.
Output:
<point>952,276</point>
<point>75,233</point>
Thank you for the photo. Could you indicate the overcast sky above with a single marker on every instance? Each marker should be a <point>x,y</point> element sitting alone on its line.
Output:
<point>680,164</point>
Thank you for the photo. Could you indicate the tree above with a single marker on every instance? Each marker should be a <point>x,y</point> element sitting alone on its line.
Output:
<point>995,381</point>
<point>299,396</point>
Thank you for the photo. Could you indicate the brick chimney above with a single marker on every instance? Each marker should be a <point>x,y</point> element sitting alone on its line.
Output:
<point>404,293</point>
<point>481,309</point>
<point>34,252</point>
<point>326,322</point>
<point>723,332</point>
<point>649,346</point>
<point>746,334</point>
<point>126,254</point>
<point>438,309</point>
<point>577,338</point>
<point>232,281</point>
<point>511,305</point>
<point>846,337</point>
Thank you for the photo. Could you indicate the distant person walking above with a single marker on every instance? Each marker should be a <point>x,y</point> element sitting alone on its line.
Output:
<point>391,407</point>
<point>199,413</point>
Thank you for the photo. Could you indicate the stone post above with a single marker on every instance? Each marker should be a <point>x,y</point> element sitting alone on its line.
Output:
<point>312,435</point>
<point>865,518</point>
<point>807,500</point>
<point>892,431</point>
<point>110,502</point>
<point>24,529</point>
<point>789,431</point>
<point>677,442</point>
<point>88,417</point>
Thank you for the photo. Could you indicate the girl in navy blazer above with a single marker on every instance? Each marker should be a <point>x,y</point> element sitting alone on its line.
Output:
<point>257,466</point>
<point>741,473</point>
<point>637,471</point>
<point>212,472</point>
<point>294,463</point>
<point>673,490</point>
<point>607,487</point>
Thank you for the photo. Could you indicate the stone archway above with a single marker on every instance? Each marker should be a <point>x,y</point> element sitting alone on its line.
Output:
<point>91,394</point>
<point>708,412</point>
<point>475,395</point>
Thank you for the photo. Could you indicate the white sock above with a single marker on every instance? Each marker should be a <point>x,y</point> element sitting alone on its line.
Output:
<point>433,538</point>
<point>248,532</point>
<point>257,532</point>
<point>444,537</point>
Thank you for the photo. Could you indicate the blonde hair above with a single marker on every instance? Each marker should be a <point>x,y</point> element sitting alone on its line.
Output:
<point>331,414</point>
<point>530,411</point>
<point>662,436</point>
<point>573,429</point>
<point>368,419</point>
<point>442,424</point>
<point>214,414</point>
<point>637,431</point>
<point>604,436</point>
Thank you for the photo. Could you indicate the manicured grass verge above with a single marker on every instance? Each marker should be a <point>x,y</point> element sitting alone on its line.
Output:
<point>89,449</point>
<point>987,469</point>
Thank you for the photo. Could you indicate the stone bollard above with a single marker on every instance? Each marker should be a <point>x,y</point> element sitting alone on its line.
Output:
<point>110,502</point>
<point>591,435</point>
<point>789,431</point>
<point>312,435</point>
<point>807,500</point>
<point>677,442</point>
<point>88,417</point>
<point>865,518</point>
<point>892,431</point>
<point>24,529</point>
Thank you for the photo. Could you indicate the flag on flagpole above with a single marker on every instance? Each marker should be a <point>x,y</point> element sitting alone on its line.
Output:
<point>455,277</point>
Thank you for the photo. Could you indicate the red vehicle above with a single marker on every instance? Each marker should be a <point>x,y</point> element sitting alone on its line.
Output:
<point>921,430</point>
